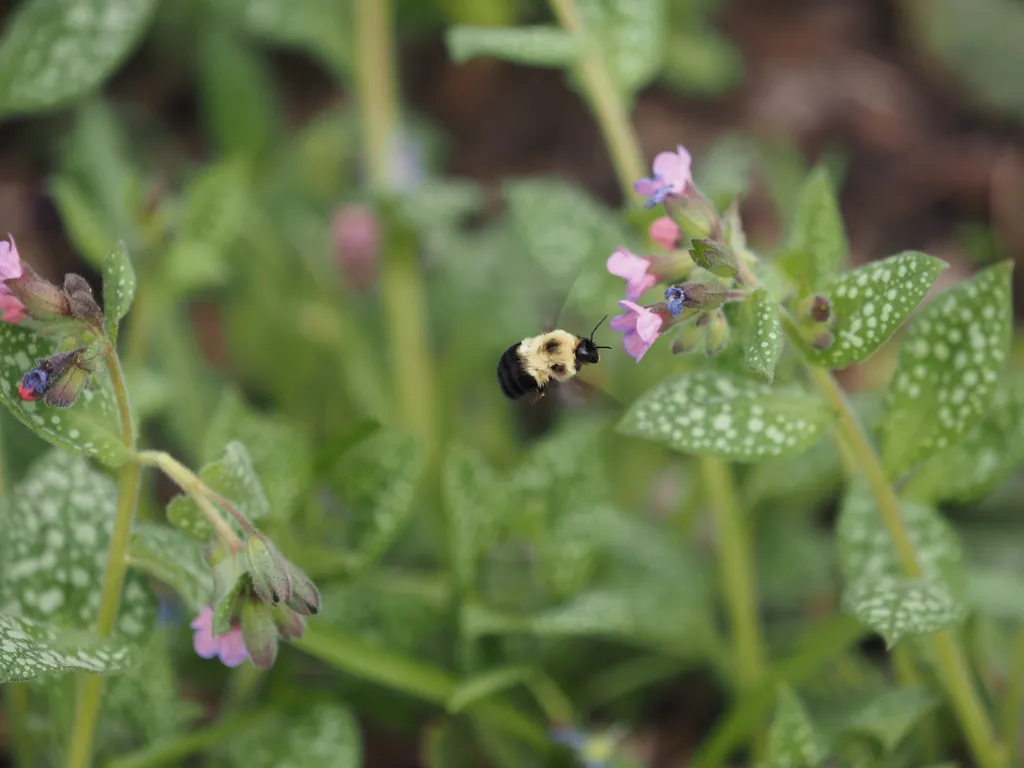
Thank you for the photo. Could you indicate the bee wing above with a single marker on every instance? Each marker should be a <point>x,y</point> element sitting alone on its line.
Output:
<point>577,393</point>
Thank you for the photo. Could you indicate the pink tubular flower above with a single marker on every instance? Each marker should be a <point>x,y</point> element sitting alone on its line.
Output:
<point>635,270</point>
<point>229,647</point>
<point>671,177</point>
<point>641,326</point>
<point>10,269</point>
<point>665,233</point>
<point>356,236</point>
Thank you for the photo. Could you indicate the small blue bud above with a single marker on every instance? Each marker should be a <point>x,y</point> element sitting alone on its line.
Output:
<point>676,307</point>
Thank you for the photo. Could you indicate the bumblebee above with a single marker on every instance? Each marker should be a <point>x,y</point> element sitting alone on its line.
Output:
<point>528,368</point>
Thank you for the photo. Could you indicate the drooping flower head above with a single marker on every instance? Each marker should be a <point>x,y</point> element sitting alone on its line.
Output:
<point>230,647</point>
<point>671,177</point>
<point>640,326</point>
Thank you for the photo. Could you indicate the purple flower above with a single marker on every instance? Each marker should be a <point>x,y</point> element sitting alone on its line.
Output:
<point>229,647</point>
<point>640,327</point>
<point>671,177</point>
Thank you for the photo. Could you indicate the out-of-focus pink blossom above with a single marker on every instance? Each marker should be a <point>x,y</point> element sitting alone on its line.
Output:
<point>229,647</point>
<point>665,233</point>
<point>355,233</point>
<point>635,270</point>
<point>10,269</point>
<point>641,327</point>
<point>671,177</point>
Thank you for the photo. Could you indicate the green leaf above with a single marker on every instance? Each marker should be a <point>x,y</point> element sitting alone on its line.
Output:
<point>631,37</point>
<point>281,452</point>
<point>763,343</point>
<point>872,302</point>
<point>984,457</point>
<point>471,493</point>
<point>951,359</point>
<point>322,734</point>
<point>174,558</point>
<point>890,716</point>
<point>90,427</point>
<point>816,247</point>
<point>234,478</point>
<point>540,46</point>
<point>721,414</point>
<point>118,287</point>
<point>377,479</point>
<point>57,525</point>
<point>82,221</point>
<point>485,685</point>
<point>899,607</point>
<point>53,51</point>
<point>29,649</point>
<point>792,739</point>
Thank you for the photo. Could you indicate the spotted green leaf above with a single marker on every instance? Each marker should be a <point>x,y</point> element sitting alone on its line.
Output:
<point>872,302</point>
<point>816,247</point>
<point>949,364</point>
<point>376,481</point>
<point>29,649</point>
<point>725,415</point>
<point>471,494</point>
<point>54,51</point>
<point>631,37</point>
<point>793,741</point>
<point>280,450</point>
<point>175,558</point>
<point>763,343</point>
<point>540,46</point>
<point>899,607</point>
<point>57,525</point>
<point>118,287</point>
<point>989,451</point>
<point>890,716</point>
<point>90,427</point>
<point>324,733</point>
<point>234,478</point>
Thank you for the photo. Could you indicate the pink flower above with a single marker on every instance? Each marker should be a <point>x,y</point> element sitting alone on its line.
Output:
<point>13,310</point>
<point>665,233</point>
<point>10,269</point>
<point>641,325</point>
<point>229,647</point>
<point>635,270</point>
<point>356,236</point>
<point>671,176</point>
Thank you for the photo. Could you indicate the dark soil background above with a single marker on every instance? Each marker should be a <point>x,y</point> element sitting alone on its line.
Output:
<point>925,157</point>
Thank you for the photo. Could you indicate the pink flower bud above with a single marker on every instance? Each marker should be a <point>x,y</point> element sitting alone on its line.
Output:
<point>665,233</point>
<point>355,233</point>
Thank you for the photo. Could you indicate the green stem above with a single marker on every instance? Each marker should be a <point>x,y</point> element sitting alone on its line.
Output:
<point>16,698</point>
<point>90,692</point>
<point>173,751</point>
<point>604,97</point>
<point>736,573</point>
<point>1012,709</point>
<point>375,85</point>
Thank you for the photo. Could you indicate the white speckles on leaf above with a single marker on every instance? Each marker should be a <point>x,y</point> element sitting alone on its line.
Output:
<point>867,316</point>
<point>764,422</point>
<point>792,739</point>
<point>234,478</point>
<point>53,554</point>
<point>55,50</point>
<point>763,338</point>
<point>898,607</point>
<point>91,426</point>
<point>29,649</point>
<point>929,404</point>
<point>118,285</point>
<point>471,502</point>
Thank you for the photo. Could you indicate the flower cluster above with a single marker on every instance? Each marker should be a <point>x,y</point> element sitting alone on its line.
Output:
<point>692,234</point>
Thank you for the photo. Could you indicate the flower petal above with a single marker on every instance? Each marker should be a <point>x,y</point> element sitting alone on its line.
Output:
<point>10,262</point>
<point>645,187</point>
<point>664,232</point>
<point>13,309</point>
<point>637,288</point>
<point>674,168</point>
<point>232,648</point>
<point>648,326</point>
<point>623,323</point>
<point>204,620</point>
<point>627,265</point>
<point>635,346</point>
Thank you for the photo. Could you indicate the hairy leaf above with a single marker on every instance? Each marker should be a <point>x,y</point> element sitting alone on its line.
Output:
<point>763,342</point>
<point>29,649</point>
<point>118,287</point>
<point>540,46</point>
<point>174,558</point>
<point>631,37</point>
<point>901,607</point>
<point>816,247</point>
<point>792,739</point>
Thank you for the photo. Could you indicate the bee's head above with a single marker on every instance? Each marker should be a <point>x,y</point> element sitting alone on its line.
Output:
<point>587,352</point>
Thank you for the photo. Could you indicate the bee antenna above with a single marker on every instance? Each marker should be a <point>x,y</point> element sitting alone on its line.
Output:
<point>596,346</point>
<point>595,331</point>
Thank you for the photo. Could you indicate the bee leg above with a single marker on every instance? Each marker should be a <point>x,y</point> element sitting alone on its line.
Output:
<point>535,397</point>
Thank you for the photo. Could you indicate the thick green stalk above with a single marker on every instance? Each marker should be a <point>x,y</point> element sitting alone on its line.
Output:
<point>16,705</point>
<point>1012,709</point>
<point>90,692</point>
<point>375,85</point>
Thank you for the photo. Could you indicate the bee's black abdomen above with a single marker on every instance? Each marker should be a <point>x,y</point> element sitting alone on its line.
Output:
<point>514,381</point>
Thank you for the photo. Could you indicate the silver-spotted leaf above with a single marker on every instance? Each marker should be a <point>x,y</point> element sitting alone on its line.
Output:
<point>763,343</point>
<point>632,38</point>
<point>118,286</point>
<point>376,481</point>
<point>899,607</point>
<point>891,715</point>
<point>471,493</point>
<point>793,741</point>
<point>724,415</point>
<point>90,427</point>
<point>57,524</point>
<point>984,457</point>
<point>54,51</point>
<point>949,364</point>
<point>234,478</point>
<point>30,649</point>
<point>871,303</point>
<point>175,558</point>
<point>539,46</point>
<point>816,247</point>
<point>322,734</point>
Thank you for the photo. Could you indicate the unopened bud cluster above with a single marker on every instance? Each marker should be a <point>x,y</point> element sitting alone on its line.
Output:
<point>815,319</point>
